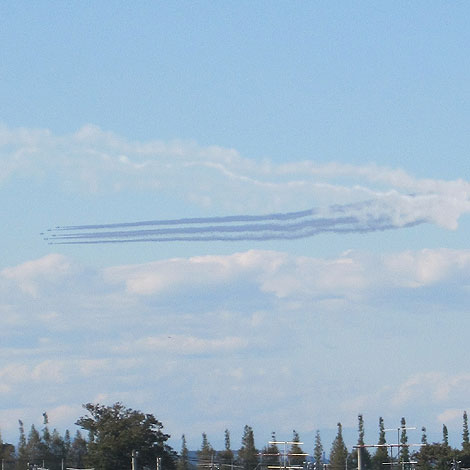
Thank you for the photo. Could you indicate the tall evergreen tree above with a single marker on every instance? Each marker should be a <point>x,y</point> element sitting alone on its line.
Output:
<point>248,454</point>
<point>423,456</point>
<point>46,435</point>
<point>77,455</point>
<point>270,453</point>
<point>404,450</point>
<point>205,456</point>
<point>47,443</point>
<point>67,445</point>
<point>465,433</point>
<point>34,446</point>
<point>381,455</point>
<point>464,455</point>
<point>318,452</point>
<point>445,435</point>
<point>226,456</point>
<point>56,451</point>
<point>365,454</point>
<point>424,437</point>
<point>22,453</point>
<point>339,452</point>
<point>295,452</point>
<point>183,460</point>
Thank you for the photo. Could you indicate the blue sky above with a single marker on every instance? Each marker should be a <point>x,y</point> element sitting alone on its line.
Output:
<point>116,112</point>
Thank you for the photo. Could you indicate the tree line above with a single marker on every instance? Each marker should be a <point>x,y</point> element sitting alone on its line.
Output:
<point>110,435</point>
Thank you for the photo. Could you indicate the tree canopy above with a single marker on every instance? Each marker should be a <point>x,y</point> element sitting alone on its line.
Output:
<point>339,452</point>
<point>116,431</point>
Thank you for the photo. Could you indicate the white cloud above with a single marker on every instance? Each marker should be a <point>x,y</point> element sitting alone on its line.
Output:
<point>450,416</point>
<point>180,344</point>
<point>30,275</point>
<point>100,161</point>
<point>425,267</point>
<point>160,276</point>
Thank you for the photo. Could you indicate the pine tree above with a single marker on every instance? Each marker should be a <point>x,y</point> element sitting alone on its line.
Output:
<point>365,454</point>
<point>465,434</point>
<point>270,453</point>
<point>248,454</point>
<point>77,456</point>
<point>464,455</point>
<point>47,453</point>
<point>226,456</point>
<point>46,435</point>
<point>56,450</point>
<point>445,435</point>
<point>424,437</point>
<point>381,455</point>
<point>405,453</point>
<point>296,449</point>
<point>339,452</point>
<point>423,455</point>
<point>67,445</point>
<point>183,461</point>
<point>318,452</point>
<point>35,448</point>
<point>205,456</point>
<point>22,453</point>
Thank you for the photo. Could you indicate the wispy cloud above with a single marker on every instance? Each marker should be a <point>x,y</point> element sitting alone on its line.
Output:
<point>303,198</point>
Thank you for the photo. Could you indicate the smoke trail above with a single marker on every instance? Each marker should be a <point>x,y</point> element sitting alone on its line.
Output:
<point>195,220</point>
<point>367,216</point>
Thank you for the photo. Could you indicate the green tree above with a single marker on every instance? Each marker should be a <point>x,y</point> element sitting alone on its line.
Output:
<point>422,456</point>
<point>270,453</point>
<point>339,452</point>
<point>465,433</point>
<point>183,460</point>
<point>56,450</point>
<point>35,448</point>
<point>7,453</point>
<point>365,454</point>
<point>77,453</point>
<point>67,445</point>
<point>117,431</point>
<point>295,451</point>
<point>46,435</point>
<point>464,455</point>
<point>248,454</point>
<point>205,456</point>
<point>435,456</point>
<point>404,450</point>
<point>22,456</point>
<point>318,452</point>
<point>424,437</point>
<point>445,435</point>
<point>226,455</point>
<point>381,455</point>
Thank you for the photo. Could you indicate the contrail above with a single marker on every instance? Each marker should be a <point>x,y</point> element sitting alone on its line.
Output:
<point>360,217</point>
